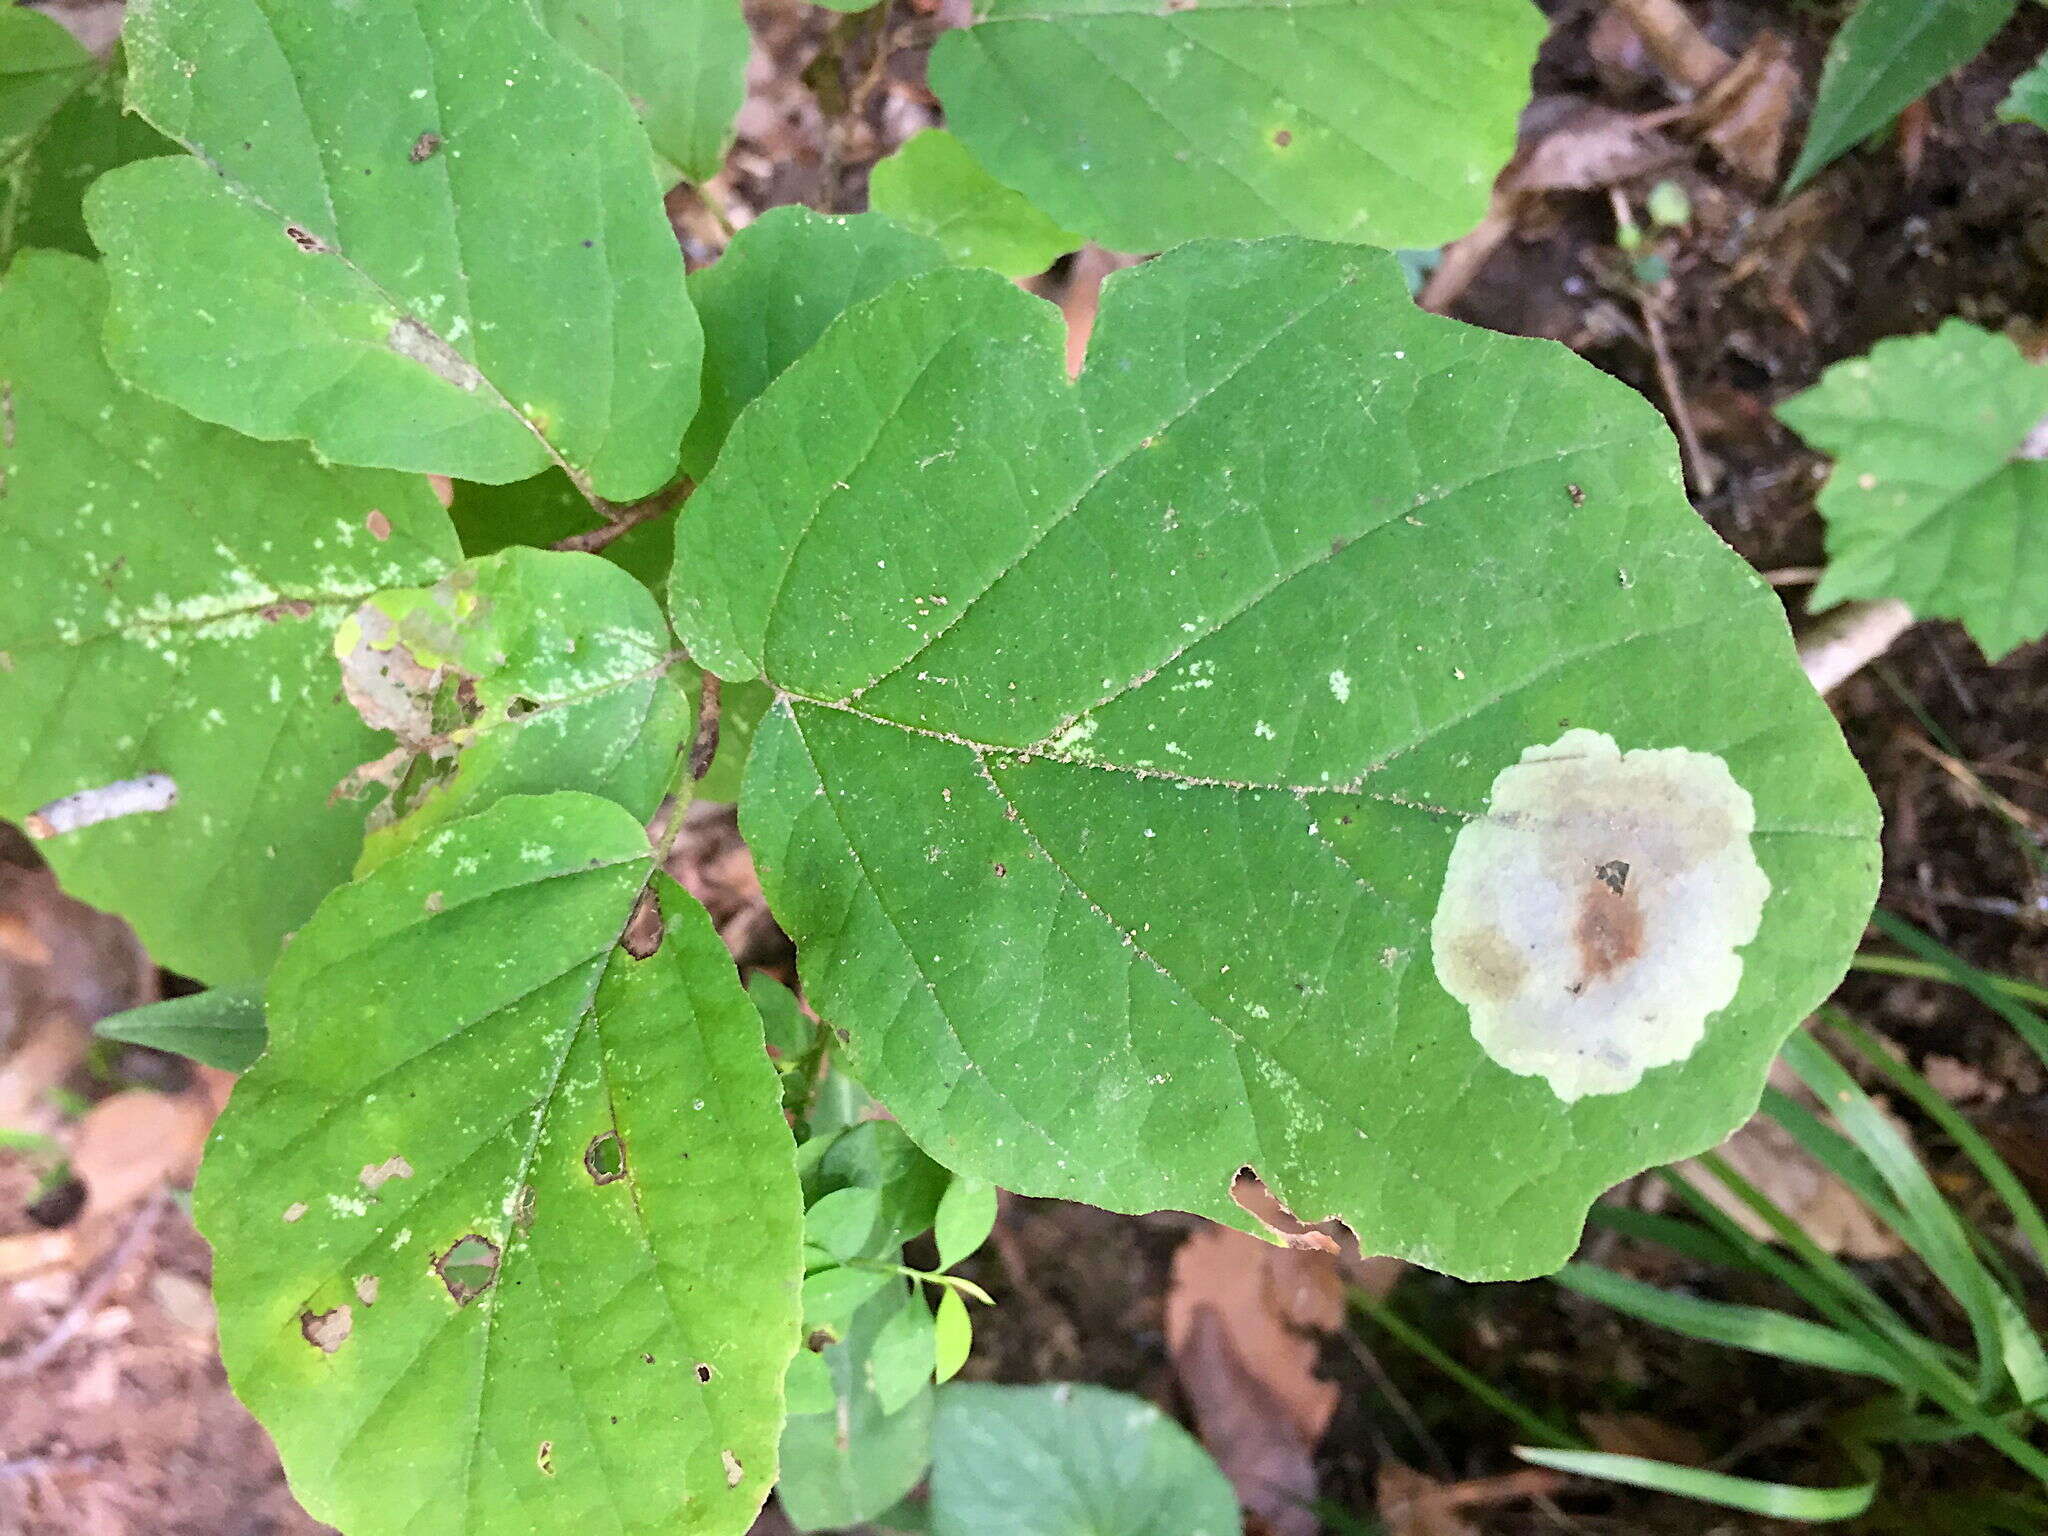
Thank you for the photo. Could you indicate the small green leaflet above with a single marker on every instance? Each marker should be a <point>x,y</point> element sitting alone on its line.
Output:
<point>853,1459</point>
<point>1142,125</point>
<point>1128,729</point>
<point>1939,495</point>
<point>1886,57</point>
<point>517,673</point>
<point>683,63</point>
<point>168,592</point>
<point>784,278</point>
<point>2028,102</point>
<point>1070,1460</point>
<point>935,187</point>
<point>218,1028</point>
<point>505,1221</point>
<point>420,237</point>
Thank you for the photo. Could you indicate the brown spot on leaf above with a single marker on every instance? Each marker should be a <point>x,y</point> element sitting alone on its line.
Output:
<point>1609,932</point>
<point>424,147</point>
<point>327,1331</point>
<point>1283,138</point>
<point>378,524</point>
<point>377,1175</point>
<point>306,240</point>
<point>293,608</point>
<point>544,1458</point>
<point>366,1290</point>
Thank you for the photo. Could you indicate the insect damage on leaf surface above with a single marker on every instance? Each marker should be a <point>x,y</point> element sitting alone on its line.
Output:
<point>1590,921</point>
<point>406,657</point>
<point>105,802</point>
<point>468,1268</point>
<point>327,1331</point>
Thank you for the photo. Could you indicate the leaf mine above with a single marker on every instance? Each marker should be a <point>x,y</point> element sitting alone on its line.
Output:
<point>1590,922</point>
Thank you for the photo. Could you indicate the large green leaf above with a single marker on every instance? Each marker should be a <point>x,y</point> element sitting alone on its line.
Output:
<point>168,591</point>
<point>1149,782</point>
<point>505,1221</point>
<point>1887,56</point>
<point>766,301</point>
<point>418,235</point>
<point>934,186</point>
<point>1142,125</point>
<point>516,674</point>
<point>1934,500</point>
<point>683,62</point>
<point>1070,1460</point>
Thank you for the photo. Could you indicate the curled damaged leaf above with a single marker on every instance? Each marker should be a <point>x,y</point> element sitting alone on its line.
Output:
<point>519,672</point>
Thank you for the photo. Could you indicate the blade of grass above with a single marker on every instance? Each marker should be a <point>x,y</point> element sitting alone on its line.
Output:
<point>2026,1214</point>
<point>1684,1237</point>
<point>1759,1330</point>
<point>1933,1229</point>
<point>2031,1026</point>
<point>1782,1501</point>
<point>1927,970</point>
<point>1528,1420</point>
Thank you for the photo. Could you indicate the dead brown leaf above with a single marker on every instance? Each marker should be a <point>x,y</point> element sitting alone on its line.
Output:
<point>130,1143</point>
<point>1639,1434</point>
<point>1244,1321</point>
<point>1412,1504</point>
<point>1748,111</point>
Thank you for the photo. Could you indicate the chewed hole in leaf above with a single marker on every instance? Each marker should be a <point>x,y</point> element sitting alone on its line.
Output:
<point>1590,921</point>
<point>605,1158</point>
<point>704,1373</point>
<point>469,1268</point>
<point>327,1331</point>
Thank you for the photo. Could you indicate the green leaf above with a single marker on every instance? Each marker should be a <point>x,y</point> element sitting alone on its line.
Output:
<point>683,63</point>
<point>505,1224</point>
<point>1070,1460</point>
<point>851,1463</point>
<point>219,1028</point>
<point>1886,57</point>
<point>766,301</point>
<point>953,1335</point>
<point>1141,125</point>
<point>420,237</point>
<point>877,1155</point>
<point>787,1030</point>
<point>966,1216</point>
<point>934,186</point>
<point>2028,102</point>
<point>1138,738</point>
<point>61,125</point>
<point>168,592</point>
<point>843,1222</point>
<point>905,1352</point>
<point>1933,500</point>
<point>548,508</point>
<point>41,67</point>
<point>518,673</point>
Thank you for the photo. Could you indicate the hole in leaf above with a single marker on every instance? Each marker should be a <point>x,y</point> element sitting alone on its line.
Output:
<point>734,1472</point>
<point>605,1158</point>
<point>704,1373</point>
<point>327,1331</point>
<point>469,1268</point>
<point>1283,138</point>
<point>544,1458</point>
<point>821,1339</point>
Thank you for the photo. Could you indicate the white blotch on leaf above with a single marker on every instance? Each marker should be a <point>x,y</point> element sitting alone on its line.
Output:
<point>1340,687</point>
<point>1590,921</point>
